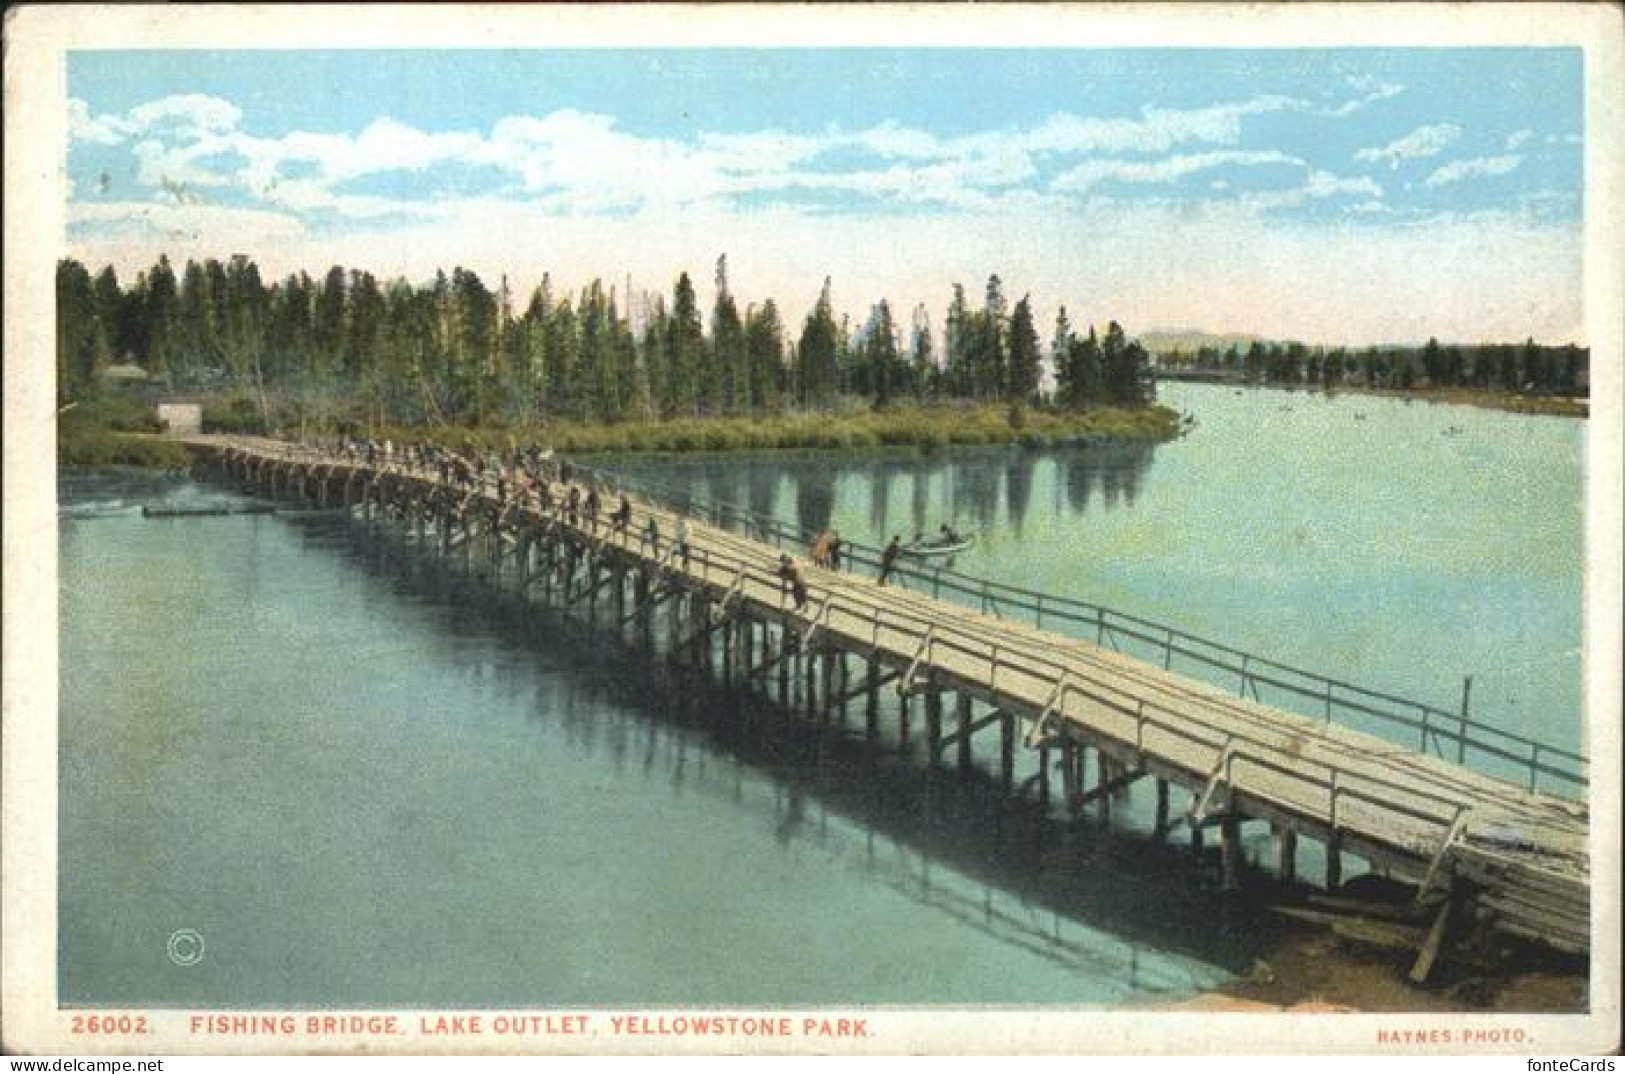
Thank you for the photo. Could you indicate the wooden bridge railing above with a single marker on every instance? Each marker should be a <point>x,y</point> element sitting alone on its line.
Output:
<point>1440,731</point>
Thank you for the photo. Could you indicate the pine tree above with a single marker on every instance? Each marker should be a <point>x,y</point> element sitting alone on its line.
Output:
<point>1022,375</point>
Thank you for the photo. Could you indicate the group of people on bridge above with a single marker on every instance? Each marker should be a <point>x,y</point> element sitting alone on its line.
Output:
<point>525,476</point>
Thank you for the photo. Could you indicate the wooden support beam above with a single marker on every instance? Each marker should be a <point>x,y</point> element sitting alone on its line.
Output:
<point>1159,831</point>
<point>933,724</point>
<point>1069,778</point>
<point>871,685</point>
<point>1043,775</point>
<point>871,703</point>
<point>1334,862</point>
<point>1007,750</point>
<point>1104,790</point>
<point>976,726</point>
<point>594,585</point>
<point>1230,851</point>
<point>962,708</point>
<point>1433,944</point>
<point>1286,853</point>
<point>786,647</point>
<point>1103,785</point>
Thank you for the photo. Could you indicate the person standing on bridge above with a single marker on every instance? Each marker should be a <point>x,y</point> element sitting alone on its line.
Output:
<point>622,516</point>
<point>793,581</point>
<point>680,538</point>
<point>888,558</point>
<point>651,537</point>
<point>590,507</point>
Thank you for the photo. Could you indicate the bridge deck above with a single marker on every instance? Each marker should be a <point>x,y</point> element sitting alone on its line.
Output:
<point>1523,854</point>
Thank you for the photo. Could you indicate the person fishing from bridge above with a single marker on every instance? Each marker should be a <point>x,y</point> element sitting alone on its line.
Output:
<point>820,549</point>
<point>622,516</point>
<point>589,507</point>
<point>888,558</point>
<point>835,547</point>
<point>680,539</point>
<point>572,505</point>
<point>651,537</point>
<point>795,583</point>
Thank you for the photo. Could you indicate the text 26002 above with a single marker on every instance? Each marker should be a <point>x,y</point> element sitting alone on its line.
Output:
<point>110,1024</point>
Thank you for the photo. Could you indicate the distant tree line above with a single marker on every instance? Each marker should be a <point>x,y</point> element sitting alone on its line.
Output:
<point>1519,367</point>
<point>454,351</point>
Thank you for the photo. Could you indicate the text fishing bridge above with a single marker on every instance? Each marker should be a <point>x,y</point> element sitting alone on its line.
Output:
<point>1486,850</point>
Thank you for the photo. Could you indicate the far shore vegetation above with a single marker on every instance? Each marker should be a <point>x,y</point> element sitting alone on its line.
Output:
<point>1525,378</point>
<point>453,358</point>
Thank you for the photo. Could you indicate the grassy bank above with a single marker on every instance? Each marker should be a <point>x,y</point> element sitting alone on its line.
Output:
<point>928,428</point>
<point>115,432</point>
<point>121,432</point>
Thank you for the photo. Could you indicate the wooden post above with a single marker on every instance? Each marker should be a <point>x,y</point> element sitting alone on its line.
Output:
<point>1069,778</point>
<point>1160,831</point>
<point>871,704</point>
<point>1334,862</point>
<point>1196,839</point>
<point>1104,770</point>
<point>1286,853</point>
<point>962,708</point>
<point>844,675</point>
<point>522,561</point>
<point>809,686</point>
<point>905,704</point>
<point>1007,751</point>
<point>827,689</point>
<point>729,653</point>
<point>1230,850</point>
<point>933,723</point>
<point>784,666</point>
<point>1043,775</point>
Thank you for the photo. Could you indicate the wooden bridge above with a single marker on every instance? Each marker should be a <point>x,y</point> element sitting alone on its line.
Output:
<point>1483,852</point>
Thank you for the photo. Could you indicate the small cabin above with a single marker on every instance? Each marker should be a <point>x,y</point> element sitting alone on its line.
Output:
<point>181,417</point>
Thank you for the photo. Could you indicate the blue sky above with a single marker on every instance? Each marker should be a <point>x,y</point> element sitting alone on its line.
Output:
<point>1349,195</point>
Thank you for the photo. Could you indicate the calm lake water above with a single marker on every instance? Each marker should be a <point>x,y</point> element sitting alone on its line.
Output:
<point>367,780</point>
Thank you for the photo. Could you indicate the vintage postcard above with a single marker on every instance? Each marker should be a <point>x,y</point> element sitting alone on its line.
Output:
<point>823,529</point>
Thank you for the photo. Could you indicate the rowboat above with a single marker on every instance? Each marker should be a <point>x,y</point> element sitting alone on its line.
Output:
<point>928,549</point>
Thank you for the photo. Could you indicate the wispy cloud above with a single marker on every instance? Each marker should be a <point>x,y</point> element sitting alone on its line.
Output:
<point>1371,91</point>
<point>1093,172</point>
<point>1516,139</point>
<point>1427,141</point>
<point>1474,168</point>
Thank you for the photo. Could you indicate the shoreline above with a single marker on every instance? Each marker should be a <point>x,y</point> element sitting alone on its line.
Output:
<point>1540,406</point>
<point>927,430</point>
<point>1311,968</point>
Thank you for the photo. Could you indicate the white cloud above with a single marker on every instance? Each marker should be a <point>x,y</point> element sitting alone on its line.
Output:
<point>1371,90</point>
<point>1517,138</point>
<point>1427,141</point>
<point>96,130</point>
<point>1092,172</point>
<point>1474,168</point>
<point>189,113</point>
